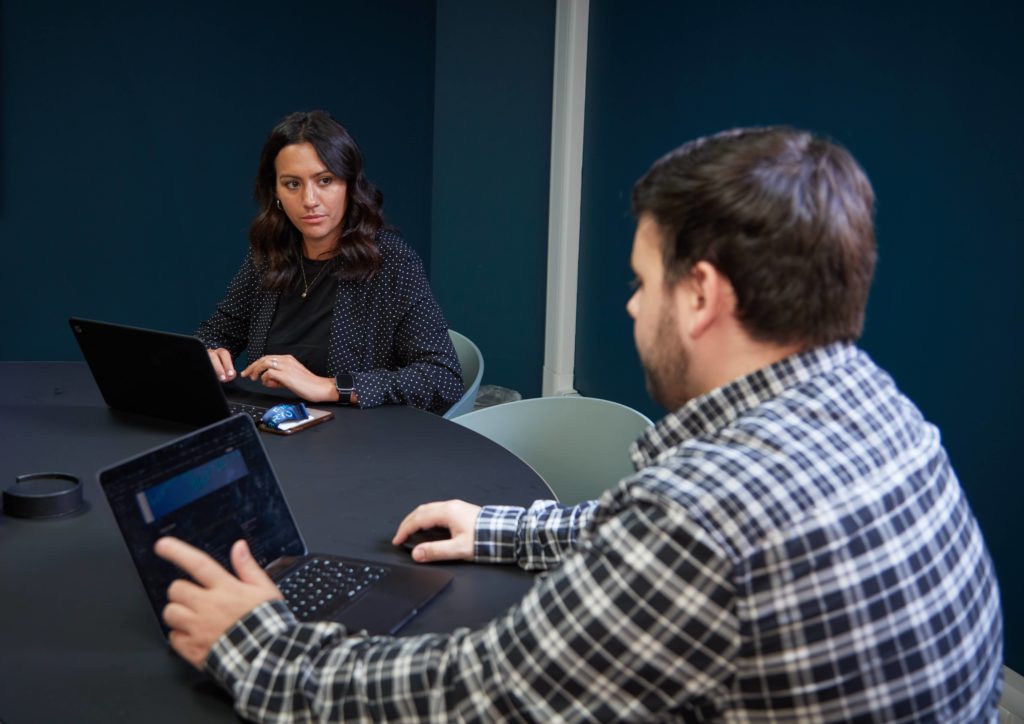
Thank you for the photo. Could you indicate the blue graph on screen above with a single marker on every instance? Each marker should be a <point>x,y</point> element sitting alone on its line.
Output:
<point>177,492</point>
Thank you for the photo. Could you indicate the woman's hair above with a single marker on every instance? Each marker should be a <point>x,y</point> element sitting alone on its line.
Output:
<point>274,239</point>
<point>786,216</point>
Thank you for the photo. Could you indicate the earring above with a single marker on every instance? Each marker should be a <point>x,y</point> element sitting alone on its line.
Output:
<point>280,208</point>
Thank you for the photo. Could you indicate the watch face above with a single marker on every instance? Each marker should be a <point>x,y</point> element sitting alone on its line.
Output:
<point>344,384</point>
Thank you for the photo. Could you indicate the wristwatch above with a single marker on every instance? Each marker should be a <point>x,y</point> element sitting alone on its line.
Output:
<point>345,385</point>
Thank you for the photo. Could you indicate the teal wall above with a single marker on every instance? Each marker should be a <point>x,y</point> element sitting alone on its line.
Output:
<point>130,134</point>
<point>492,129</point>
<point>928,98</point>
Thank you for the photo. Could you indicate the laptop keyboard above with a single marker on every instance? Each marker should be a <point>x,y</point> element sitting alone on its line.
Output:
<point>253,411</point>
<point>322,584</point>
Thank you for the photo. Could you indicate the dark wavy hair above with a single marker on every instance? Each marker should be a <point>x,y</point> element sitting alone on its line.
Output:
<point>786,216</point>
<point>276,242</point>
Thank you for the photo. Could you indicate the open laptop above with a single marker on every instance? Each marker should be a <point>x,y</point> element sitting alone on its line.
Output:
<point>214,486</point>
<point>160,374</point>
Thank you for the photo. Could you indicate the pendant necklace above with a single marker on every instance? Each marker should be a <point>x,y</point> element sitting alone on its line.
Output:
<point>307,286</point>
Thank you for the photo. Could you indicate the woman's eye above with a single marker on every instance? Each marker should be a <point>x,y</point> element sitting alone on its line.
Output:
<point>291,185</point>
<point>325,180</point>
<point>635,284</point>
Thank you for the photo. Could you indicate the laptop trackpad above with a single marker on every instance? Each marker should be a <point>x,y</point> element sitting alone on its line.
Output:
<point>379,613</point>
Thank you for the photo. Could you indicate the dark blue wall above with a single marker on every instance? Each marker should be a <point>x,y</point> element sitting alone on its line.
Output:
<point>130,134</point>
<point>928,98</point>
<point>492,129</point>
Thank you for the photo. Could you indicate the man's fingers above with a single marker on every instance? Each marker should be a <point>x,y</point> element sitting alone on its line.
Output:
<point>177,640</point>
<point>201,567</point>
<point>246,567</point>
<point>181,620</point>
<point>428,515</point>
<point>454,549</point>
<point>183,592</point>
<point>182,643</point>
<point>457,516</point>
<point>177,616</point>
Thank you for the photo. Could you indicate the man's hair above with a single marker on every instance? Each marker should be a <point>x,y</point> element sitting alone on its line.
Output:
<point>785,215</point>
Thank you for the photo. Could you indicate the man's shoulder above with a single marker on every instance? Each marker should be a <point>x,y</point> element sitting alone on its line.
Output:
<point>798,454</point>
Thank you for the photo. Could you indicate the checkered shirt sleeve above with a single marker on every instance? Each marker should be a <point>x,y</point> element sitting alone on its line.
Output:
<point>536,539</point>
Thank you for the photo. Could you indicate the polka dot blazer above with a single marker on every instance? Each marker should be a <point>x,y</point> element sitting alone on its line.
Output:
<point>388,332</point>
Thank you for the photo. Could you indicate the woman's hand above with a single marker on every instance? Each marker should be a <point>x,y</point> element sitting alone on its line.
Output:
<point>283,370</point>
<point>458,516</point>
<point>220,358</point>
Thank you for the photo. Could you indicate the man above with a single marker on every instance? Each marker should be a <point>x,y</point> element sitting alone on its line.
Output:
<point>794,545</point>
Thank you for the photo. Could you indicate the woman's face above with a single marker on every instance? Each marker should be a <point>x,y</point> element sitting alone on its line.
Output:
<point>312,197</point>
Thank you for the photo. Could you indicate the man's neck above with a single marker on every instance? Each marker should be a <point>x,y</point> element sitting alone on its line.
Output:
<point>727,359</point>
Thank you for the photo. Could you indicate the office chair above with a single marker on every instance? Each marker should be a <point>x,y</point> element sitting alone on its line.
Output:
<point>472,363</point>
<point>579,445</point>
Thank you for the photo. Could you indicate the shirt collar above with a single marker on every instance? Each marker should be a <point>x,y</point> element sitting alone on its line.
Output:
<point>723,405</point>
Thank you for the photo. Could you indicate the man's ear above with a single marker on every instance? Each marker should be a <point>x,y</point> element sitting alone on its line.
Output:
<point>705,297</point>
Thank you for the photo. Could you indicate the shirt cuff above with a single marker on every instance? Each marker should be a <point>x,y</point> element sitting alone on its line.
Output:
<point>367,386</point>
<point>235,652</point>
<point>497,534</point>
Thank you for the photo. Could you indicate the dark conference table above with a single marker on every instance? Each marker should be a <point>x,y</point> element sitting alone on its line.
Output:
<point>78,640</point>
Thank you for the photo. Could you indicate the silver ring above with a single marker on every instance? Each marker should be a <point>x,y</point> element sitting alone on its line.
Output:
<point>273,363</point>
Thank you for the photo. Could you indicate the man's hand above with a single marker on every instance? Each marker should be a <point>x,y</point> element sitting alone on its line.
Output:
<point>457,516</point>
<point>199,613</point>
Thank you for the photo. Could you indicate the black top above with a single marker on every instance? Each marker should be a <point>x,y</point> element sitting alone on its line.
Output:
<point>302,324</point>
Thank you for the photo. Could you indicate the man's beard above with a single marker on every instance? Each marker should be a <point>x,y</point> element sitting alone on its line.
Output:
<point>665,363</point>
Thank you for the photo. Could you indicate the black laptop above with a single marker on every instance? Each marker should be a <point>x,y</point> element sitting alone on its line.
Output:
<point>160,374</point>
<point>216,485</point>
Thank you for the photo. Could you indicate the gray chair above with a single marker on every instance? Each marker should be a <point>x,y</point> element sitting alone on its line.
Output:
<point>472,363</point>
<point>579,445</point>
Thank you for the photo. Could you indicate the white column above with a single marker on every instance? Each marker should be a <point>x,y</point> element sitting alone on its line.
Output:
<point>569,96</point>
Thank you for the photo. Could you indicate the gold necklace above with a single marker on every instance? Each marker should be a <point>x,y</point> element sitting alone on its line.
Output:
<point>307,286</point>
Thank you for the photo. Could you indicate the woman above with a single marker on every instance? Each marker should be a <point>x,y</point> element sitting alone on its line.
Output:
<point>329,302</point>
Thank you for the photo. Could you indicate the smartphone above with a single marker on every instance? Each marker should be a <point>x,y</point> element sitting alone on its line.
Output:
<point>316,416</point>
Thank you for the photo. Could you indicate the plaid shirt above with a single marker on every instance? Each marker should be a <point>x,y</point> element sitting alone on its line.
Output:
<point>794,547</point>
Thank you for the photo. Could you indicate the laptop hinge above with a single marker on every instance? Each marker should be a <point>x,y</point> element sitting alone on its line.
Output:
<point>280,565</point>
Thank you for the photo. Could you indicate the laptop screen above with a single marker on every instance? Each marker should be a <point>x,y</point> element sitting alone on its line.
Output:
<point>208,488</point>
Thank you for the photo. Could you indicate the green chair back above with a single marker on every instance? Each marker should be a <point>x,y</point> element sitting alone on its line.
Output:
<point>472,363</point>
<point>579,445</point>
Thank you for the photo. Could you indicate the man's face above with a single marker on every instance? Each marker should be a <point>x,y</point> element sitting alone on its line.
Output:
<point>655,324</point>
